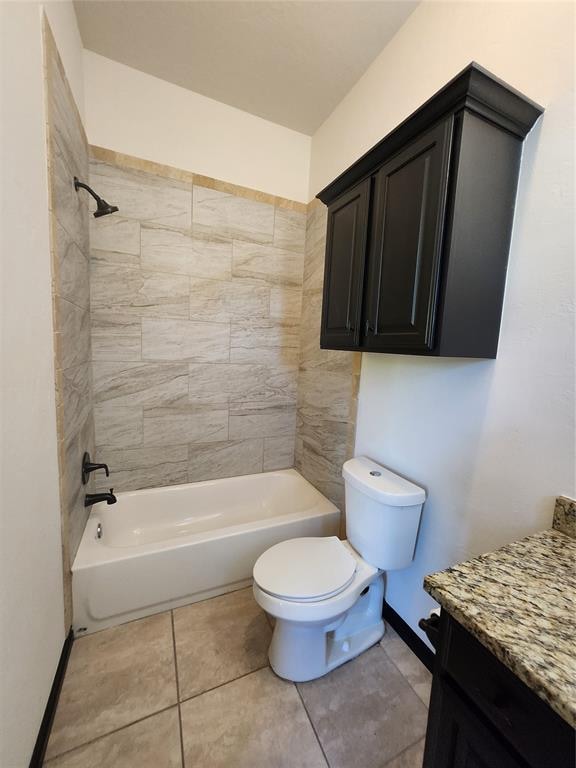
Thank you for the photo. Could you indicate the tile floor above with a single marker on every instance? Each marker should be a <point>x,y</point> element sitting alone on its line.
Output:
<point>191,688</point>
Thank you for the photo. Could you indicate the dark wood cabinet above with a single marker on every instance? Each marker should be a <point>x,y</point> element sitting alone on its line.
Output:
<point>404,258</point>
<point>419,228</point>
<point>463,739</point>
<point>343,277</point>
<point>482,716</point>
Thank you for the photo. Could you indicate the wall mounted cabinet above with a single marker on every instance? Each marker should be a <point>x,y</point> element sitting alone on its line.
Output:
<point>419,227</point>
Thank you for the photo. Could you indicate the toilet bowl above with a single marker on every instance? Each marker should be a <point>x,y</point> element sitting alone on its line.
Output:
<point>325,594</point>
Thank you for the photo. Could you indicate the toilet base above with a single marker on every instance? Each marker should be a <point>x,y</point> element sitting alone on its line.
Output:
<point>302,651</point>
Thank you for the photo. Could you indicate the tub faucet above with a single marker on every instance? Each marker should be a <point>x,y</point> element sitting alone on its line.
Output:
<point>94,498</point>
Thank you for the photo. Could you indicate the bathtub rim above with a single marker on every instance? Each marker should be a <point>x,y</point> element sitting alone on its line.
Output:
<point>93,552</point>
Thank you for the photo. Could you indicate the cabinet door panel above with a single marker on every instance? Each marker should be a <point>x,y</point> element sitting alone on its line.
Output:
<point>458,738</point>
<point>404,262</point>
<point>343,275</point>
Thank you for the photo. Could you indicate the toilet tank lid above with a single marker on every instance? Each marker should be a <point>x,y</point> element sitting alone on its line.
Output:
<point>381,484</point>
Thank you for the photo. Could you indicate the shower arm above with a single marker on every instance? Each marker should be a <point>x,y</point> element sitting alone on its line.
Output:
<point>102,207</point>
<point>80,185</point>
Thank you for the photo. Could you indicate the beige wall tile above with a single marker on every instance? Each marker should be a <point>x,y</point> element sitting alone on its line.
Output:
<point>232,382</point>
<point>289,229</point>
<point>231,216</point>
<point>73,491</point>
<point>179,252</point>
<point>267,265</point>
<point>66,132</point>
<point>184,340</point>
<point>118,425</point>
<point>285,303</point>
<point>114,258</point>
<point>266,342</point>
<point>72,276</point>
<point>261,420</point>
<point>278,453</point>
<point>115,234</point>
<point>68,206</point>
<point>211,257</point>
<point>141,383</point>
<point>326,393</point>
<point>67,157</point>
<point>221,301</point>
<point>143,196</point>
<point>151,467</point>
<point>72,326</point>
<point>129,290</point>
<point>185,424</point>
<point>166,250</point>
<point>75,393</point>
<point>116,337</point>
<point>225,459</point>
<point>324,473</point>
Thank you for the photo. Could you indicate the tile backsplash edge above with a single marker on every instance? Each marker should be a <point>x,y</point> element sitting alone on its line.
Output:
<point>565,516</point>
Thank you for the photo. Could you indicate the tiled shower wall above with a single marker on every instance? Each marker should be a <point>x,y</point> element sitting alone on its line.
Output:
<point>68,157</point>
<point>195,299</point>
<point>327,381</point>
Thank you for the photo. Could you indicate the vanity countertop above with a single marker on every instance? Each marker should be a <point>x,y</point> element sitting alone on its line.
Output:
<point>520,603</point>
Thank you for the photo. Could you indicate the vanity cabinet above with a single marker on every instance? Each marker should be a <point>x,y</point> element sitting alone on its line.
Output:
<point>482,716</point>
<point>419,228</point>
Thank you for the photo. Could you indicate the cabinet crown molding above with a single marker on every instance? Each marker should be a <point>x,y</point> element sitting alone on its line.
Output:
<point>474,89</point>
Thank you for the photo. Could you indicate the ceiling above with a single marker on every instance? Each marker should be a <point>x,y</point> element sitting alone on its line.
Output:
<point>290,62</point>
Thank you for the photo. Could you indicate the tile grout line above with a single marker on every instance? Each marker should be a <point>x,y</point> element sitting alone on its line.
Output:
<point>402,751</point>
<point>216,687</point>
<point>108,733</point>
<point>312,725</point>
<point>391,660</point>
<point>177,689</point>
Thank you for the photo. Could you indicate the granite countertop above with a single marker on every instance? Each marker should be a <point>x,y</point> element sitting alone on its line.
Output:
<point>520,603</point>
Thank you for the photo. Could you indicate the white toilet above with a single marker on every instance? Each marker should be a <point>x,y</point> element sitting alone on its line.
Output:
<point>325,594</point>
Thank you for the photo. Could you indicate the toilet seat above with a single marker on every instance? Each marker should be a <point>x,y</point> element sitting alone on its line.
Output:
<point>305,569</point>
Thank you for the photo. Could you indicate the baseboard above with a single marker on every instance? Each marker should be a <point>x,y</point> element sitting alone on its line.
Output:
<point>415,643</point>
<point>46,726</point>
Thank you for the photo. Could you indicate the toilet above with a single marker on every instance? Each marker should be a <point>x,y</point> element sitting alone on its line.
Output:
<point>326,594</point>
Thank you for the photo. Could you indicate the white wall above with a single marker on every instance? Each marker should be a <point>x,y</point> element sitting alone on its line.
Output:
<point>492,441</point>
<point>31,601</point>
<point>132,112</point>
<point>64,26</point>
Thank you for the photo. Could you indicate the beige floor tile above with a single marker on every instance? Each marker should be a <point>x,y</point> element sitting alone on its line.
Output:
<point>114,678</point>
<point>408,663</point>
<point>410,758</point>
<point>150,743</point>
<point>218,640</point>
<point>365,712</point>
<point>255,722</point>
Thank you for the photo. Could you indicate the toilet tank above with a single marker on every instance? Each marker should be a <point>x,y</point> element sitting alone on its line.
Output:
<point>382,513</point>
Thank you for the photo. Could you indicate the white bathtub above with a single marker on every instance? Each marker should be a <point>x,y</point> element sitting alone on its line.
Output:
<point>166,547</point>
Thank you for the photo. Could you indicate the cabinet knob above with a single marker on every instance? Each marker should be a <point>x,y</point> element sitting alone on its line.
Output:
<point>370,328</point>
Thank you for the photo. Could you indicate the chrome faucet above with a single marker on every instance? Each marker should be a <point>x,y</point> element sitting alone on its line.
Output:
<point>94,498</point>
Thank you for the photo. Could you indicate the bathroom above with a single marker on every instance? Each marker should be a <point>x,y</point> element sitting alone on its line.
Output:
<point>183,356</point>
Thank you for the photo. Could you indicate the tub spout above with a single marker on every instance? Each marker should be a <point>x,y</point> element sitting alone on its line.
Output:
<point>94,498</point>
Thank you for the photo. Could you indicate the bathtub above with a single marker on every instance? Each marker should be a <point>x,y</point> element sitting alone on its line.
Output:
<point>165,547</point>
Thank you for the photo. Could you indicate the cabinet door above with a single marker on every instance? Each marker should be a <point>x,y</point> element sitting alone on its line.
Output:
<point>346,239</point>
<point>458,738</point>
<point>404,263</point>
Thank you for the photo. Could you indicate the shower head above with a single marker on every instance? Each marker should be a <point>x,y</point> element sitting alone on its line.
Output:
<point>102,207</point>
